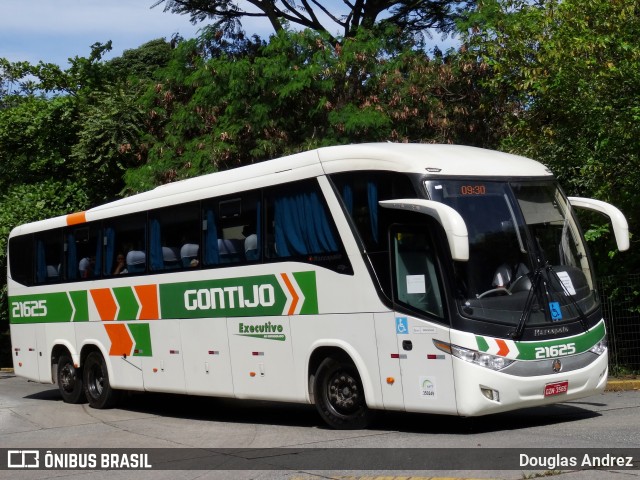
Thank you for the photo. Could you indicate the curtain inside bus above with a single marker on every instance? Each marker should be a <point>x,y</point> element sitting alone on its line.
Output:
<point>211,252</point>
<point>72,257</point>
<point>301,226</point>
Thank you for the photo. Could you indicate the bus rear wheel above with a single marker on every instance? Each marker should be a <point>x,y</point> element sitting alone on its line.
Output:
<point>69,380</point>
<point>339,395</point>
<point>96,382</point>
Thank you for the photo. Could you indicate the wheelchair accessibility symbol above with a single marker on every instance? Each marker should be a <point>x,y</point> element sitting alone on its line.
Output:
<point>402,326</point>
<point>556,312</point>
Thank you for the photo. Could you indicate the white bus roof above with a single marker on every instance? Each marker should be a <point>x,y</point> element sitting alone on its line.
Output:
<point>437,160</point>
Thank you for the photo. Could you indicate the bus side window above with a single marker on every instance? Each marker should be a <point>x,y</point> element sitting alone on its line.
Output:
<point>125,236</point>
<point>299,225</point>
<point>21,259</point>
<point>82,248</point>
<point>173,237</point>
<point>49,250</point>
<point>361,191</point>
<point>231,229</point>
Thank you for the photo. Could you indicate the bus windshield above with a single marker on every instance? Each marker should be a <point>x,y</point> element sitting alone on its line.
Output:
<point>527,259</point>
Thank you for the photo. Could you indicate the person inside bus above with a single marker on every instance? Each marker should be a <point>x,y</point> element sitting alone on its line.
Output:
<point>86,266</point>
<point>121,265</point>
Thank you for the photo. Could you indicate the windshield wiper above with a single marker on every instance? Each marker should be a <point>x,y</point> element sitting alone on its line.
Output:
<point>538,280</point>
<point>528,304</point>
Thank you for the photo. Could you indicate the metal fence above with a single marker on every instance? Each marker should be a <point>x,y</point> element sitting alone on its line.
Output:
<point>620,296</point>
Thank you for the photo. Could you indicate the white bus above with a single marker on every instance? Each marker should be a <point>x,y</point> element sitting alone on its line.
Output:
<point>419,278</point>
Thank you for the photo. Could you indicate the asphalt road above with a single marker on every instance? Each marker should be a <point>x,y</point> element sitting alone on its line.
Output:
<point>33,416</point>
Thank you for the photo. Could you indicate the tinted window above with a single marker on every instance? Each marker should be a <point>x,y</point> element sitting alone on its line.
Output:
<point>174,237</point>
<point>21,259</point>
<point>361,192</point>
<point>124,238</point>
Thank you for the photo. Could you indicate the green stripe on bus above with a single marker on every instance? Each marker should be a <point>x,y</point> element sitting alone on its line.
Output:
<point>128,305</point>
<point>556,347</point>
<point>141,338</point>
<point>261,295</point>
<point>307,283</point>
<point>49,307</point>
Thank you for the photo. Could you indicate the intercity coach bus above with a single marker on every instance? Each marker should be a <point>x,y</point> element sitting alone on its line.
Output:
<point>419,278</point>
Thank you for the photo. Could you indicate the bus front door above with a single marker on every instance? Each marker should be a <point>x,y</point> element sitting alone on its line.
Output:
<point>427,373</point>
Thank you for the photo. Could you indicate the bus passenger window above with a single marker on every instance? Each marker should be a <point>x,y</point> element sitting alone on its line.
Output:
<point>125,237</point>
<point>21,259</point>
<point>82,249</point>
<point>299,226</point>
<point>231,232</point>
<point>49,250</point>
<point>174,233</point>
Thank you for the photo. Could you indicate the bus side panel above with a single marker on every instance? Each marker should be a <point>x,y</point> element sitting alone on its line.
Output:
<point>389,361</point>
<point>427,373</point>
<point>52,334</point>
<point>353,333</point>
<point>24,350</point>
<point>163,370</point>
<point>262,358</point>
<point>124,369</point>
<point>207,360</point>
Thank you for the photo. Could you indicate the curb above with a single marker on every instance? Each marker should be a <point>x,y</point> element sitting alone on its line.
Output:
<point>622,385</point>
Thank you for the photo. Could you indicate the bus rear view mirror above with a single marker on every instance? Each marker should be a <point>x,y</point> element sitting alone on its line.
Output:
<point>620,226</point>
<point>450,219</point>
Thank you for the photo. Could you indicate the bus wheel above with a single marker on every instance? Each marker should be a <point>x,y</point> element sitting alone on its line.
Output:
<point>339,396</point>
<point>69,380</point>
<point>96,382</point>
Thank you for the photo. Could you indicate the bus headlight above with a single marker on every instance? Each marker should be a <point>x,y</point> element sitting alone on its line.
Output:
<point>600,347</point>
<point>486,360</point>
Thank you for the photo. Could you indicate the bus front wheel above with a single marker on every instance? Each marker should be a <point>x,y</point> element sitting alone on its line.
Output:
<point>96,382</point>
<point>69,380</point>
<point>339,395</point>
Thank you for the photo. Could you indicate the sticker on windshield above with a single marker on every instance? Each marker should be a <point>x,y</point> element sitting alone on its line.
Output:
<point>556,312</point>
<point>416,284</point>
<point>566,281</point>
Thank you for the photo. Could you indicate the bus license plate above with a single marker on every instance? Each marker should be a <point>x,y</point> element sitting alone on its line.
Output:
<point>556,388</point>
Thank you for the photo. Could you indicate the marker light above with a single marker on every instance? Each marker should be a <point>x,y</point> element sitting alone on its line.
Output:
<point>492,362</point>
<point>600,347</point>
<point>490,393</point>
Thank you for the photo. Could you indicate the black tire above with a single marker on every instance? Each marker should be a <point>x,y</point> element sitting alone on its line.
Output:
<point>339,395</point>
<point>96,382</point>
<point>69,379</point>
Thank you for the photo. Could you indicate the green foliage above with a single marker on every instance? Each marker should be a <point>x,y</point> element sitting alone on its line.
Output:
<point>570,73</point>
<point>213,111</point>
<point>112,123</point>
<point>24,203</point>
<point>33,146</point>
<point>141,62</point>
<point>408,18</point>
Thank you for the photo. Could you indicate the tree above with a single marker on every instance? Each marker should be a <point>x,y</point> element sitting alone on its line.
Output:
<point>213,111</point>
<point>569,73</point>
<point>410,17</point>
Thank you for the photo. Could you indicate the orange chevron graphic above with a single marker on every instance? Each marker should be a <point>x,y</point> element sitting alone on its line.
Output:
<point>121,341</point>
<point>504,348</point>
<point>105,303</point>
<point>148,296</point>
<point>292,291</point>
